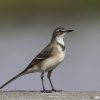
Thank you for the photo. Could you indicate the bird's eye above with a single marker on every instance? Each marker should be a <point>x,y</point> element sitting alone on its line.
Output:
<point>59,30</point>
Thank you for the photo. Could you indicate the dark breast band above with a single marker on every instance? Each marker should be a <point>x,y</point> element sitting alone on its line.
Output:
<point>63,47</point>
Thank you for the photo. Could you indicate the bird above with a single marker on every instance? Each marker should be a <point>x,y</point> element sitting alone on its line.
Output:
<point>48,59</point>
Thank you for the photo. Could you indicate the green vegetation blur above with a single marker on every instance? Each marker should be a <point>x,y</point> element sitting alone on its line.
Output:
<point>32,7</point>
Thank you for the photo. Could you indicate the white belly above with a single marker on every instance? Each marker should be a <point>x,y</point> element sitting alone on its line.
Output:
<point>53,61</point>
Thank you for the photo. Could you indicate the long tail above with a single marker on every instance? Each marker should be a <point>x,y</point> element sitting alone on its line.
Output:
<point>17,76</point>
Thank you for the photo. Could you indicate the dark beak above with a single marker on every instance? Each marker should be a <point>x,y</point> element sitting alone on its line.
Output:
<point>69,31</point>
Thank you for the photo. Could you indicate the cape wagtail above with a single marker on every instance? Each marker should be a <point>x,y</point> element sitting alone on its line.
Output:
<point>48,59</point>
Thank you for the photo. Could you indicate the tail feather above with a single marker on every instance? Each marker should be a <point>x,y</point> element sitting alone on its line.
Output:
<point>17,76</point>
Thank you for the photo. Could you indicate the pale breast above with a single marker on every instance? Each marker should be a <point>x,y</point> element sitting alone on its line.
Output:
<point>56,58</point>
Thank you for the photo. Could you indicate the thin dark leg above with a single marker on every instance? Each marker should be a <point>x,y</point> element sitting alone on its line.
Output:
<point>49,77</point>
<point>42,76</point>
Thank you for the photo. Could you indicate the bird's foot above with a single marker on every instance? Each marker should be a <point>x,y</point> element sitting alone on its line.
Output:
<point>46,91</point>
<point>53,90</point>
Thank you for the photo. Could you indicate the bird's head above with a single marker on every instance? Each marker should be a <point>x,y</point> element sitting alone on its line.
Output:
<point>60,32</point>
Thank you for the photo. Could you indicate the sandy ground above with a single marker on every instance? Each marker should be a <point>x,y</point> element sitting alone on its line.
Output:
<point>34,95</point>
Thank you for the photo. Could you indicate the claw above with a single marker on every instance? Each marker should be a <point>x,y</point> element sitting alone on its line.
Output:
<point>46,91</point>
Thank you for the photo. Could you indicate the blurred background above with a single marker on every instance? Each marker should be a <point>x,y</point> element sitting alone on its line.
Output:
<point>26,27</point>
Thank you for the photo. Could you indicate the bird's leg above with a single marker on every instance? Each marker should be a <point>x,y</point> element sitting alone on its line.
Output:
<point>49,77</point>
<point>42,77</point>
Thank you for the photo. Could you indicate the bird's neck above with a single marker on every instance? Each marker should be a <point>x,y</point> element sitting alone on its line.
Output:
<point>60,40</point>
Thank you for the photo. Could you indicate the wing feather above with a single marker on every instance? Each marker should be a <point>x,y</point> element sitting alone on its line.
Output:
<point>44,54</point>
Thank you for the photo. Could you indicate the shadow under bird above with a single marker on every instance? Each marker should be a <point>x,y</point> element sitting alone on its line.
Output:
<point>48,59</point>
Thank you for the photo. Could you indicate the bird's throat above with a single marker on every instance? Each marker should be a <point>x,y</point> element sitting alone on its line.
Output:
<point>60,40</point>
